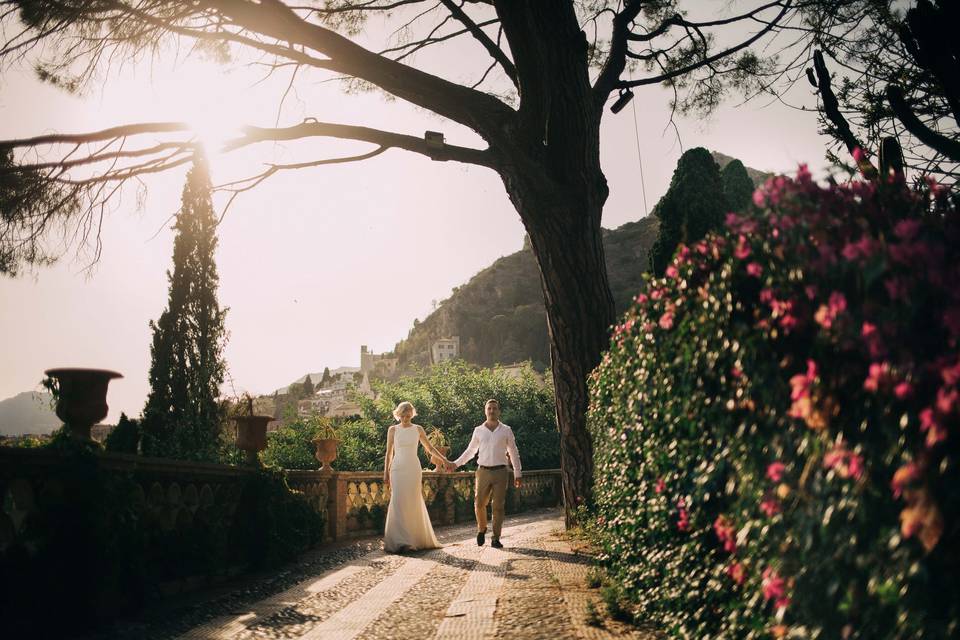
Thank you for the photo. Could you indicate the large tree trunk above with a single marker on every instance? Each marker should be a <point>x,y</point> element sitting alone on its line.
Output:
<point>567,244</point>
<point>550,165</point>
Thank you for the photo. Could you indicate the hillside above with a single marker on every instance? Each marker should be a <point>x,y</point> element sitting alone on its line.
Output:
<point>499,314</point>
<point>27,412</point>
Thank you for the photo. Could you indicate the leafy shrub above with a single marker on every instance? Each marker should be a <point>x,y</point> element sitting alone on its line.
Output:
<point>450,396</point>
<point>776,422</point>
<point>361,446</point>
<point>124,437</point>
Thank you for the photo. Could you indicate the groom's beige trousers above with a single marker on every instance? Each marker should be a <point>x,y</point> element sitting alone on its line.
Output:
<point>491,482</point>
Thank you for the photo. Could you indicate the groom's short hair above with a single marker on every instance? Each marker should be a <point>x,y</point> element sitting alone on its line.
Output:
<point>491,401</point>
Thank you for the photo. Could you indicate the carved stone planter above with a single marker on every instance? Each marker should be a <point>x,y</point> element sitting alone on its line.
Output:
<point>326,452</point>
<point>83,398</point>
<point>438,462</point>
<point>252,436</point>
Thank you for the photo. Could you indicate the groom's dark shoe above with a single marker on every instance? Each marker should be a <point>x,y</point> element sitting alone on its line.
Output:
<point>481,537</point>
<point>496,544</point>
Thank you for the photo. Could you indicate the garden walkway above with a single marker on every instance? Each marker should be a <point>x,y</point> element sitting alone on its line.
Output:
<point>534,588</point>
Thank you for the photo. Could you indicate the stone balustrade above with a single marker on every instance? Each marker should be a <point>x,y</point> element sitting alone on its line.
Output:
<point>174,495</point>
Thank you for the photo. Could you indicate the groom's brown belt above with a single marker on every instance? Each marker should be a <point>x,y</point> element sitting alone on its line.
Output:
<point>499,466</point>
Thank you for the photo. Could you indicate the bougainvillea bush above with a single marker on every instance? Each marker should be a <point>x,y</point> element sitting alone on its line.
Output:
<point>776,422</point>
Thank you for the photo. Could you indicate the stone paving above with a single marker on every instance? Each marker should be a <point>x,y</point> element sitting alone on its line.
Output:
<point>534,588</point>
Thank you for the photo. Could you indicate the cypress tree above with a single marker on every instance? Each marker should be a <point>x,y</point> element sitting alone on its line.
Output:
<point>183,416</point>
<point>737,185</point>
<point>693,206</point>
<point>308,387</point>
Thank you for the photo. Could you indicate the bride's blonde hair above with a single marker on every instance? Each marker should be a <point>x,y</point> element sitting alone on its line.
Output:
<point>402,408</point>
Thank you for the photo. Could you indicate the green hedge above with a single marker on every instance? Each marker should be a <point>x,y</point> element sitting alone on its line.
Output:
<point>776,423</point>
<point>450,396</point>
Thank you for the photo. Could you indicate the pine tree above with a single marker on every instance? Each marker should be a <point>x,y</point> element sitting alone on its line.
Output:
<point>693,206</point>
<point>737,186</point>
<point>308,387</point>
<point>183,416</point>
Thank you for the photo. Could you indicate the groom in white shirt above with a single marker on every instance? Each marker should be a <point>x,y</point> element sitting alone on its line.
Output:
<point>495,441</point>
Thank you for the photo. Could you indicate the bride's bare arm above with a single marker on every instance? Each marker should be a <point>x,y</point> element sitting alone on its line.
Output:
<point>388,457</point>
<point>431,450</point>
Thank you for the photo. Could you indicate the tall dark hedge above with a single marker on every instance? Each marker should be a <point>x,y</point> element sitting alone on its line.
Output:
<point>737,186</point>
<point>693,206</point>
<point>777,423</point>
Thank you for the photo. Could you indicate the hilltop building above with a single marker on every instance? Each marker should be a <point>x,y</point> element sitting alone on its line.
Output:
<point>444,349</point>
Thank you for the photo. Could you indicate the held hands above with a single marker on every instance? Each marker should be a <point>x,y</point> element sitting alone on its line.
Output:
<point>517,482</point>
<point>386,478</point>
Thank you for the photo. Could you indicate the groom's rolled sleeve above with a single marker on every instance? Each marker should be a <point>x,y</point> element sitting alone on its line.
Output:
<point>471,451</point>
<point>514,454</point>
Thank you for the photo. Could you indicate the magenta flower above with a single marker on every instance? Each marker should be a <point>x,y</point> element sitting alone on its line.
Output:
<point>666,321</point>
<point>897,288</point>
<point>742,250</point>
<point>641,298</point>
<point>672,272</point>
<point>754,269</point>
<point>770,506</point>
<point>931,425</point>
<point>879,377</point>
<point>759,199</point>
<point>683,519</point>
<point>775,471</point>
<point>946,400</point>
<point>661,486</point>
<point>737,572</point>
<point>907,229</point>
<point>903,390</point>
<point>774,588</point>
<point>725,533</point>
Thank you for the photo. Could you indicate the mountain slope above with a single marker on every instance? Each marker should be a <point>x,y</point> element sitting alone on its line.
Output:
<point>27,412</point>
<point>499,314</point>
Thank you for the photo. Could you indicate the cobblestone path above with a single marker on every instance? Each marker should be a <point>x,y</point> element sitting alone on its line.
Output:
<point>534,588</point>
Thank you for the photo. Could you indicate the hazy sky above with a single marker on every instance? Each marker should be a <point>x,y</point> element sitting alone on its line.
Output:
<point>316,262</point>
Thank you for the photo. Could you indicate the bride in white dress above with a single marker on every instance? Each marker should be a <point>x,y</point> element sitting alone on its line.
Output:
<point>408,526</point>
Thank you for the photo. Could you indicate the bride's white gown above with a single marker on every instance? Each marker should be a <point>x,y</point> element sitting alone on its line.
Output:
<point>408,524</point>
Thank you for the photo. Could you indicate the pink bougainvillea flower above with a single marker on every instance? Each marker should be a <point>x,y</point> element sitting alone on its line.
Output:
<point>672,272</point>
<point>770,506</point>
<point>759,199</point>
<point>737,572</point>
<point>754,269</point>
<point>775,471</point>
<point>641,298</point>
<point>903,390</point>
<point>742,251</point>
<point>827,314</point>
<point>951,373</point>
<point>907,229</point>
<point>774,588</point>
<point>946,400</point>
<point>873,340</point>
<point>666,321</point>
<point>931,425</point>
<point>811,291</point>
<point>726,533</point>
<point>879,377</point>
<point>683,517</point>
<point>660,486</point>
<point>846,463</point>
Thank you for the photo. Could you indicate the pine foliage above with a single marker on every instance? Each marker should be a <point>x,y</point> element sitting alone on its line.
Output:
<point>183,415</point>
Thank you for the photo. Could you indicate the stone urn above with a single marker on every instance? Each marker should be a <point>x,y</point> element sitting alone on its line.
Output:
<point>252,436</point>
<point>438,462</point>
<point>326,452</point>
<point>82,400</point>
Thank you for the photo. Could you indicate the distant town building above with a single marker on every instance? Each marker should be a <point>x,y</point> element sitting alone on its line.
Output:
<point>379,364</point>
<point>99,432</point>
<point>445,349</point>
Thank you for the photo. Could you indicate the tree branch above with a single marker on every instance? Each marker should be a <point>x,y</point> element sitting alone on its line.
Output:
<point>488,44</point>
<point>941,144</point>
